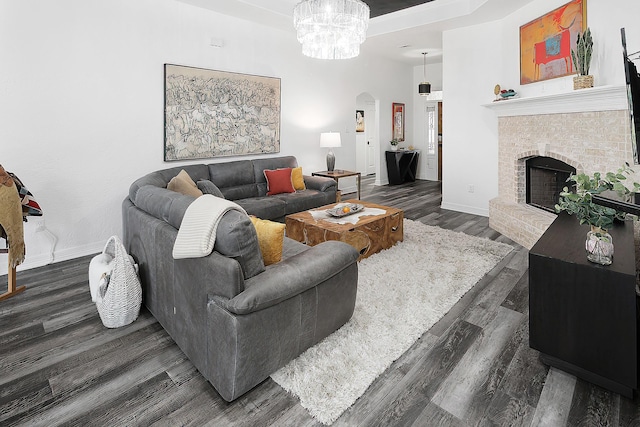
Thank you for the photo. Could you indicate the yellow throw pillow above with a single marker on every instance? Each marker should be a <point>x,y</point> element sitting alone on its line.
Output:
<point>297,178</point>
<point>182,183</point>
<point>270,238</point>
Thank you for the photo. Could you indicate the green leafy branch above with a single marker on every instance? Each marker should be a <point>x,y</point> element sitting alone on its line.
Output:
<point>580,203</point>
<point>582,55</point>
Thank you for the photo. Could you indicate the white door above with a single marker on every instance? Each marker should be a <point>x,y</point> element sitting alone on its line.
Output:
<point>370,134</point>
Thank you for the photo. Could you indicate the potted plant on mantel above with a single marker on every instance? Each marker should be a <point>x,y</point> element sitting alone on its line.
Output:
<point>582,60</point>
<point>599,244</point>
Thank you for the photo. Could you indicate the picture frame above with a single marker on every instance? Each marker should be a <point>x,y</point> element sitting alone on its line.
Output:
<point>359,120</point>
<point>209,113</point>
<point>397,129</point>
<point>546,42</point>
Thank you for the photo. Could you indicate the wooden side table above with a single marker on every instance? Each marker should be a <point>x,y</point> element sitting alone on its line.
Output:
<point>337,174</point>
<point>583,316</point>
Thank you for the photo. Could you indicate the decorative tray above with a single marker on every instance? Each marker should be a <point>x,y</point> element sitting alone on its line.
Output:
<point>345,209</point>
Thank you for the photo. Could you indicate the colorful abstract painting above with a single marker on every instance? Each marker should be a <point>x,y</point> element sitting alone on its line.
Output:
<point>546,42</point>
<point>397,129</point>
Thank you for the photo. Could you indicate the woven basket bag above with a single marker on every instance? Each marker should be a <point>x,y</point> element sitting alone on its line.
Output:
<point>119,300</point>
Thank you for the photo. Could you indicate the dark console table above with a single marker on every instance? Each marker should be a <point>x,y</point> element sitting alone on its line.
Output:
<point>401,166</point>
<point>583,316</point>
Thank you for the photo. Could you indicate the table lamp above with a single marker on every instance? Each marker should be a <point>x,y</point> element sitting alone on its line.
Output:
<point>330,140</point>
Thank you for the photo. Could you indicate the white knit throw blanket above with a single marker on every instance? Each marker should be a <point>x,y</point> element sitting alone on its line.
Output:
<point>197,233</point>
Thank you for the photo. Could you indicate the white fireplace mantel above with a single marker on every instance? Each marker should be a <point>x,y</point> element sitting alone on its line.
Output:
<point>600,98</point>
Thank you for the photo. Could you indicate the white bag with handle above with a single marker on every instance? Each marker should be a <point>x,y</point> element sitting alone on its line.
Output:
<point>119,293</point>
<point>99,268</point>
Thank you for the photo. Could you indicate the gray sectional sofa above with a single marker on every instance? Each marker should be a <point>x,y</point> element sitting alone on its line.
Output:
<point>237,320</point>
<point>244,182</point>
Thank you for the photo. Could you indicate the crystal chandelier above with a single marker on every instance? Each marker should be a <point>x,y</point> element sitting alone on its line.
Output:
<point>331,29</point>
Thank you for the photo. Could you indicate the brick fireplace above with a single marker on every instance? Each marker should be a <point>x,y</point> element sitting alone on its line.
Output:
<point>587,129</point>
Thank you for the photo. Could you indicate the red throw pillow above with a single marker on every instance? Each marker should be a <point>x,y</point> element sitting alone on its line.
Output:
<point>279,181</point>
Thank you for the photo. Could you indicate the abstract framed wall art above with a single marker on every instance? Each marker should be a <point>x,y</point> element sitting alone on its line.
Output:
<point>546,42</point>
<point>211,113</point>
<point>398,121</point>
<point>359,120</point>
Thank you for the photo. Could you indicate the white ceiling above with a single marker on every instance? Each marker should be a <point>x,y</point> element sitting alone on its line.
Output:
<point>400,36</point>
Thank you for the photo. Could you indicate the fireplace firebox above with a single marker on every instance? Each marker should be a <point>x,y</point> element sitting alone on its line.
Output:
<point>545,179</point>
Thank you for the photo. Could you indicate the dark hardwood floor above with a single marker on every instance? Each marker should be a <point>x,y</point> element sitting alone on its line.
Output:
<point>60,366</point>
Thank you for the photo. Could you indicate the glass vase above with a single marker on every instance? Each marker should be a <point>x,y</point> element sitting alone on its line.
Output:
<point>599,246</point>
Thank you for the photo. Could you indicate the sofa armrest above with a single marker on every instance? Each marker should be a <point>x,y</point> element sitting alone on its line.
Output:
<point>213,274</point>
<point>319,183</point>
<point>291,277</point>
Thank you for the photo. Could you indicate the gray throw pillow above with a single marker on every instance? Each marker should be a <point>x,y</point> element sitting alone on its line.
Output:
<point>208,187</point>
<point>236,238</point>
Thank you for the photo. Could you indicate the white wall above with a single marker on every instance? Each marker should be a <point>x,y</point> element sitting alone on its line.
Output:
<point>479,57</point>
<point>81,89</point>
<point>470,145</point>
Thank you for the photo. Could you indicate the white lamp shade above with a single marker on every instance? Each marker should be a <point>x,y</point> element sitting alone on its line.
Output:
<point>330,139</point>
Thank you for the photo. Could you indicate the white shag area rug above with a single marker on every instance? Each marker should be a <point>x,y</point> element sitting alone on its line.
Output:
<point>402,292</point>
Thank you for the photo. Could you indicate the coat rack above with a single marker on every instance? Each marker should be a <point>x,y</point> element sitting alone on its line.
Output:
<point>16,203</point>
<point>11,276</point>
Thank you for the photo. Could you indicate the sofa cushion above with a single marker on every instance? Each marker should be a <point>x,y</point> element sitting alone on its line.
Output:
<point>163,204</point>
<point>302,201</point>
<point>234,179</point>
<point>297,179</point>
<point>236,238</point>
<point>162,177</point>
<point>208,187</point>
<point>279,181</point>
<point>182,183</point>
<point>231,174</point>
<point>270,238</point>
<point>271,207</point>
<point>246,191</point>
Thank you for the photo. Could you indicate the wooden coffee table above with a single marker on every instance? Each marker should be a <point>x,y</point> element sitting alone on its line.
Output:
<point>369,235</point>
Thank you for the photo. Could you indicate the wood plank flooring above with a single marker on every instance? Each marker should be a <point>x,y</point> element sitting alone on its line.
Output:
<point>60,366</point>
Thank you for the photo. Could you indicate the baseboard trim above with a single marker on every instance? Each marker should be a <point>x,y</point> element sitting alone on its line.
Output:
<point>464,208</point>
<point>40,260</point>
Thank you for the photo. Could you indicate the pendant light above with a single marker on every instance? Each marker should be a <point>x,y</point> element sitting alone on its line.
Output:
<point>424,88</point>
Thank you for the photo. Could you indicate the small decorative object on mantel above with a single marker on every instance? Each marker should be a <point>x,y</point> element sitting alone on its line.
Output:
<point>581,58</point>
<point>599,244</point>
<point>502,94</point>
<point>394,144</point>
